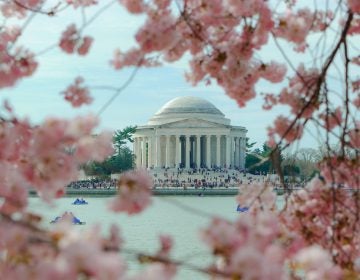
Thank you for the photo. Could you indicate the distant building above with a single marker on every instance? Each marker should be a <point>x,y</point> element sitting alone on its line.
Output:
<point>189,132</point>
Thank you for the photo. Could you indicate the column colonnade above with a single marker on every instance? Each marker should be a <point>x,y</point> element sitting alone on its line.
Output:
<point>190,150</point>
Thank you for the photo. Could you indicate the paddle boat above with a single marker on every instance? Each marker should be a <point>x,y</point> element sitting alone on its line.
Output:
<point>242,209</point>
<point>80,201</point>
<point>66,215</point>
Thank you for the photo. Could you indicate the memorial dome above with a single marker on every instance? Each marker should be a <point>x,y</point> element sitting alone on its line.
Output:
<point>189,104</point>
<point>188,107</point>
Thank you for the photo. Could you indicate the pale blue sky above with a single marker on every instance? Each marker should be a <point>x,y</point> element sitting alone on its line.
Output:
<point>38,96</point>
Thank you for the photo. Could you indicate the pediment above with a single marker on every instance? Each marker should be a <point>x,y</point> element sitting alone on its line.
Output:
<point>192,123</point>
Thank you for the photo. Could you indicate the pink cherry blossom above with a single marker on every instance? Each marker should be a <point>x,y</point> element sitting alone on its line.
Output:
<point>14,189</point>
<point>86,151</point>
<point>85,45</point>
<point>332,120</point>
<point>82,251</point>
<point>356,101</point>
<point>284,129</point>
<point>156,271</point>
<point>273,72</point>
<point>132,57</point>
<point>151,38</point>
<point>317,264</point>
<point>19,9</point>
<point>166,244</point>
<point>134,6</point>
<point>294,27</point>
<point>244,8</point>
<point>134,192</point>
<point>15,63</point>
<point>354,27</point>
<point>257,195</point>
<point>55,151</point>
<point>71,41</point>
<point>354,5</point>
<point>354,135</point>
<point>76,94</point>
<point>356,60</point>
<point>270,101</point>
<point>248,247</point>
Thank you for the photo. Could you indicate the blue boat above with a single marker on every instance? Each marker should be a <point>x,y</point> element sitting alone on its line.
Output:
<point>80,201</point>
<point>242,209</point>
<point>66,215</point>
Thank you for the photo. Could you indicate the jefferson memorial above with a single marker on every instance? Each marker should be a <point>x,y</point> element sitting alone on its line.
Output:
<point>189,132</point>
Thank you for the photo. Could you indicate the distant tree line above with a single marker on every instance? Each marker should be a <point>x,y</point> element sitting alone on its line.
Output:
<point>302,163</point>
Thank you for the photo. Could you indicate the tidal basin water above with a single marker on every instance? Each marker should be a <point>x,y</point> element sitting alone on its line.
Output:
<point>166,215</point>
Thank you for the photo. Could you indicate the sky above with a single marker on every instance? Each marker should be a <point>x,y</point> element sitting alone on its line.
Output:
<point>39,96</point>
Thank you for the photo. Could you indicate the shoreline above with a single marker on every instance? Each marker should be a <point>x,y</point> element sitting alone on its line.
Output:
<point>156,192</point>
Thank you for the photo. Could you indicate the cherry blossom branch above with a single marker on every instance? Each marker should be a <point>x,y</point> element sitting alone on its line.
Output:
<point>85,24</point>
<point>97,14</point>
<point>320,79</point>
<point>120,89</point>
<point>50,12</point>
<point>22,223</point>
<point>148,258</point>
<point>347,101</point>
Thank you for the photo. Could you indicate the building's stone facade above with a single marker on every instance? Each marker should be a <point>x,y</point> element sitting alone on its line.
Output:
<point>189,132</point>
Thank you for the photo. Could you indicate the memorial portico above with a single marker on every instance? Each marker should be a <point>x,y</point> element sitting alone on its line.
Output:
<point>189,132</point>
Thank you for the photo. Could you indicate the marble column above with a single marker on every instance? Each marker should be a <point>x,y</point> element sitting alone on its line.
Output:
<point>228,151</point>
<point>198,151</point>
<point>236,155</point>
<point>150,151</point>
<point>158,151</point>
<point>187,149</point>
<point>167,162</point>
<point>232,152</point>
<point>135,150</point>
<point>208,151</point>
<point>218,138</point>
<point>242,152</point>
<point>177,151</point>
<point>138,152</point>
<point>143,158</point>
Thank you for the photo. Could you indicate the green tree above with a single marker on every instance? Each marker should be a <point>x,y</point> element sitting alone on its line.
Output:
<point>122,160</point>
<point>122,137</point>
<point>249,145</point>
<point>259,161</point>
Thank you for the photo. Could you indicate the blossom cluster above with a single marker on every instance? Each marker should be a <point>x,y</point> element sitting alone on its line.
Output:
<point>18,8</point>
<point>76,94</point>
<point>16,62</point>
<point>134,192</point>
<point>331,226</point>
<point>71,41</point>
<point>46,157</point>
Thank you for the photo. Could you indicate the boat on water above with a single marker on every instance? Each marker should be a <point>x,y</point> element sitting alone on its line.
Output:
<point>68,216</point>
<point>80,201</point>
<point>242,209</point>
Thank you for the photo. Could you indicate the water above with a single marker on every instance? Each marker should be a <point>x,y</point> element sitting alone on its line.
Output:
<point>164,216</point>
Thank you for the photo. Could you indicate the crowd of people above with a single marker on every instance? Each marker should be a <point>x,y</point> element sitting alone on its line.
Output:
<point>96,183</point>
<point>183,178</point>
<point>202,178</point>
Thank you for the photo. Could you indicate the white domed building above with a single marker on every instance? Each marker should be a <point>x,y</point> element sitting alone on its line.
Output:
<point>189,132</point>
